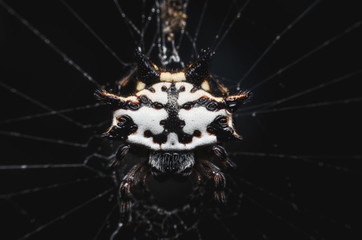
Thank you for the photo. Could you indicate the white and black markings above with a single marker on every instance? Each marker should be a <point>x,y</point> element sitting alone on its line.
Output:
<point>173,117</point>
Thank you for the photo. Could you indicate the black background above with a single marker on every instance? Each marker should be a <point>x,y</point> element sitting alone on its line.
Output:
<point>324,188</point>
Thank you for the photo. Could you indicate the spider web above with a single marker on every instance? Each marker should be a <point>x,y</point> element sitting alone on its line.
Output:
<point>297,165</point>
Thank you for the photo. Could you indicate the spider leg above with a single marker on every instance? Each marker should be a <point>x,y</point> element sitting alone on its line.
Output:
<point>222,155</point>
<point>136,174</point>
<point>210,170</point>
<point>121,153</point>
<point>198,177</point>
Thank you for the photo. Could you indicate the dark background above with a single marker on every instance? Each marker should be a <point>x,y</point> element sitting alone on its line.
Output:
<point>306,188</point>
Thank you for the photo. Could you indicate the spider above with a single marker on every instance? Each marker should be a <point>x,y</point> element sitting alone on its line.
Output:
<point>173,116</point>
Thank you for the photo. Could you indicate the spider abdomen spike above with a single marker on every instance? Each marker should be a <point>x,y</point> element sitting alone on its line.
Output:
<point>198,71</point>
<point>110,99</point>
<point>146,70</point>
<point>233,102</point>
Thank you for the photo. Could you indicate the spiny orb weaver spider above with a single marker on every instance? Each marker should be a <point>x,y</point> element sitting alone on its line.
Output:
<point>173,115</point>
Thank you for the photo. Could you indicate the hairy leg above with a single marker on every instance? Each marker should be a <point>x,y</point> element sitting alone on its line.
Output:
<point>121,153</point>
<point>208,169</point>
<point>138,173</point>
<point>222,155</point>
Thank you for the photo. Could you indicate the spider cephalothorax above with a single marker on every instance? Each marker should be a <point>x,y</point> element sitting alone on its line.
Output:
<point>173,114</point>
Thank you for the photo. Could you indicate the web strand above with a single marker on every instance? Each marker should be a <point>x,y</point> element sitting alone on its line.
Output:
<point>237,17</point>
<point>42,139</point>
<point>308,54</point>
<point>199,24</point>
<point>52,113</point>
<point>94,34</point>
<point>305,106</point>
<point>44,188</point>
<point>130,25</point>
<point>279,217</point>
<point>66,214</point>
<point>39,104</point>
<point>105,222</point>
<point>49,43</point>
<point>276,39</point>
<point>263,106</point>
<point>310,159</point>
<point>40,166</point>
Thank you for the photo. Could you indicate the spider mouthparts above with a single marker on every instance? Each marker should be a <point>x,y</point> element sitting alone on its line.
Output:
<point>178,163</point>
